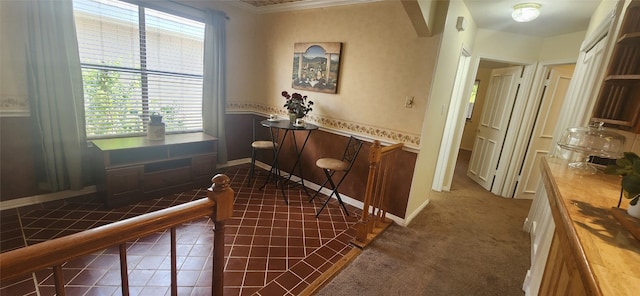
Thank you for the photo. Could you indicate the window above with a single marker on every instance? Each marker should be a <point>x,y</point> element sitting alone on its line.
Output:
<point>472,99</point>
<point>135,62</point>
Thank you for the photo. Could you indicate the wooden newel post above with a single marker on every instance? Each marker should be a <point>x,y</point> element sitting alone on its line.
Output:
<point>364,225</point>
<point>222,194</point>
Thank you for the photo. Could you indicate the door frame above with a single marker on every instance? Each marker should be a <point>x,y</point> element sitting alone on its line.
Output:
<point>447,156</point>
<point>454,123</point>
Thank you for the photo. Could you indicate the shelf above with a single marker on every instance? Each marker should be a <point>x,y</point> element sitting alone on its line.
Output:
<point>629,38</point>
<point>617,104</point>
<point>623,78</point>
<point>612,121</point>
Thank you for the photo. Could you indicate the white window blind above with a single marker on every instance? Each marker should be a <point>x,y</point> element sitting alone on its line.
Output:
<point>135,62</point>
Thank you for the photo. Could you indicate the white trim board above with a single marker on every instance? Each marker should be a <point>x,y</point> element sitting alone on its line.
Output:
<point>42,198</point>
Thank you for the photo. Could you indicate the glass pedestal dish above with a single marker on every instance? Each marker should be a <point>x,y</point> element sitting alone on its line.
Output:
<point>594,140</point>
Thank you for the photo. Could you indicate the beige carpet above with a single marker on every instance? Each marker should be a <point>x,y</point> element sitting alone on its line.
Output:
<point>465,242</point>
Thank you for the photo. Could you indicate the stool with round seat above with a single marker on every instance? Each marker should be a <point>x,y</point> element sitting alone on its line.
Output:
<point>343,165</point>
<point>257,145</point>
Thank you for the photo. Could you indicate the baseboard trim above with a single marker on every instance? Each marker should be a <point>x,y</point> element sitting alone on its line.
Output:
<point>48,197</point>
<point>234,162</point>
<point>417,211</point>
<point>345,198</point>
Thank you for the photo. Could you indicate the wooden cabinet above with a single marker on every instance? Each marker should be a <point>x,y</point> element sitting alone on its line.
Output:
<point>135,168</point>
<point>589,251</point>
<point>561,275</point>
<point>618,103</point>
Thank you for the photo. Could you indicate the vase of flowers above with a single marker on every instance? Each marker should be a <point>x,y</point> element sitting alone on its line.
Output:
<point>297,105</point>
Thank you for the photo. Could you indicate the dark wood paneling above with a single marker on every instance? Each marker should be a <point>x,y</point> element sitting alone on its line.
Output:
<point>238,136</point>
<point>17,169</point>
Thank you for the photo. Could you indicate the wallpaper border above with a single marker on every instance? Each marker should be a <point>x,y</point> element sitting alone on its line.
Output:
<point>411,141</point>
<point>14,106</point>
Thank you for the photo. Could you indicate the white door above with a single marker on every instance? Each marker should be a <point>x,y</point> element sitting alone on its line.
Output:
<point>555,88</point>
<point>494,121</point>
<point>579,102</point>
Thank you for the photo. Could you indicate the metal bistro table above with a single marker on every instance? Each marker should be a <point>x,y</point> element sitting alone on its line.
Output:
<point>287,127</point>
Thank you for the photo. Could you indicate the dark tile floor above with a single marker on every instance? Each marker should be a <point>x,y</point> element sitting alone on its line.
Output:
<point>272,248</point>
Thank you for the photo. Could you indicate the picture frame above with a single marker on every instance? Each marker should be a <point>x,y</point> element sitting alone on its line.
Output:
<point>316,66</point>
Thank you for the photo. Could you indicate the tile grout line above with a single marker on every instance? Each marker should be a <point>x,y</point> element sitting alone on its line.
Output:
<point>253,236</point>
<point>24,238</point>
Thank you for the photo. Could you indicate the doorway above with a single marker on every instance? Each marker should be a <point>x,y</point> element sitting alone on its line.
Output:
<point>539,114</point>
<point>467,124</point>
<point>516,139</point>
<point>489,158</point>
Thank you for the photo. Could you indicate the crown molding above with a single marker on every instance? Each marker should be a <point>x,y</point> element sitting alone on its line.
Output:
<point>298,5</point>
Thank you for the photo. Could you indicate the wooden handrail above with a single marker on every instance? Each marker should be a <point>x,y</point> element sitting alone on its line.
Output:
<point>53,253</point>
<point>389,149</point>
<point>373,219</point>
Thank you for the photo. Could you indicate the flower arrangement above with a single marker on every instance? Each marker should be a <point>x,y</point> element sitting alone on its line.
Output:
<point>297,104</point>
<point>629,168</point>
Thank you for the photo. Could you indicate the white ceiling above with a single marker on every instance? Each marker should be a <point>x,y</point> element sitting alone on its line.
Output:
<point>557,17</point>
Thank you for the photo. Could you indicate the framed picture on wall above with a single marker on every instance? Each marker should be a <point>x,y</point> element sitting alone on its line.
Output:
<point>316,66</point>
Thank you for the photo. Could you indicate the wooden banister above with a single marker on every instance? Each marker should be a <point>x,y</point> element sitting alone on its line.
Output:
<point>373,220</point>
<point>53,253</point>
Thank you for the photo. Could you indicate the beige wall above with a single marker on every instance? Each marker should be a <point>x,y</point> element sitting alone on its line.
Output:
<point>439,98</point>
<point>243,65</point>
<point>429,9</point>
<point>13,73</point>
<point>507,46</point>
<point>564,47</point>
<point>382,62</point>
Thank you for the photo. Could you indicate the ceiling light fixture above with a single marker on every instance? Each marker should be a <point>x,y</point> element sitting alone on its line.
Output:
<point>525,12</point>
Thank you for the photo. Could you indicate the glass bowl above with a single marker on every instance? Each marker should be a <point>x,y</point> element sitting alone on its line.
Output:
<point>594,140</point>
